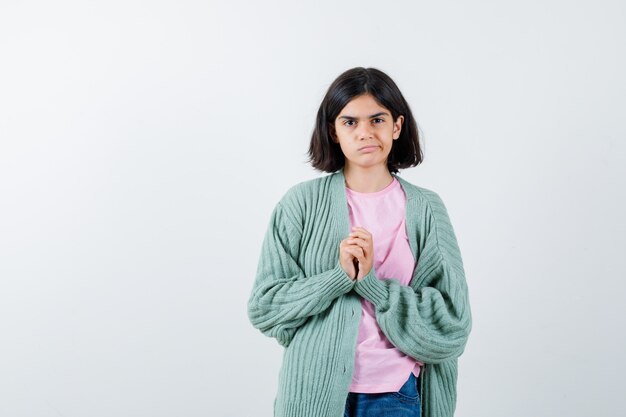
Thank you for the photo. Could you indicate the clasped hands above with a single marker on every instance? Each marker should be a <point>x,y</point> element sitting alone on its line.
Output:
<point>356,253</point>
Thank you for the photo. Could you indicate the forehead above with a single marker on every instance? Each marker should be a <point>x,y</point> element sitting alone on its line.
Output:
<point>362,106</point>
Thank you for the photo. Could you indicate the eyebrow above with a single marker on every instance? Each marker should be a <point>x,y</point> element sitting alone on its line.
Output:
<point>382,113</point>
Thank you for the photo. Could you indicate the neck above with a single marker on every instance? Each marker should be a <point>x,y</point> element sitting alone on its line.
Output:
<point>367,179</point>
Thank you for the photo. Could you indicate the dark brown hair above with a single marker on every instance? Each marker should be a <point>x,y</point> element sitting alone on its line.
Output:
<point>326,155</point>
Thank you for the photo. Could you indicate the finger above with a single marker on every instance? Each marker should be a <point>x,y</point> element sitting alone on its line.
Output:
<point>360,233</point>
<point>357,241</point>
<point>344,242</point>
<point>360,229</point>
<point>356,246</point>
<point>359,245</point>
<point>348,245</point>
<point>352,254</point>
<point>367,246</point>
<point>356,252</point>
<point>360,236</point>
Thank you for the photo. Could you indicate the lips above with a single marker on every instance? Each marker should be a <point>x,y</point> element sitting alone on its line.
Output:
<point>368,148</point>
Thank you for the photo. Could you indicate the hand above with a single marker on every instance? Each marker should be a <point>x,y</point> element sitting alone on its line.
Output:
<point>360,244</point>
<point>362,238</point>
<point>348,257</point>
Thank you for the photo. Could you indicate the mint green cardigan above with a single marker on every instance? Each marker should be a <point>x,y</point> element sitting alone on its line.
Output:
<point>302,297</point>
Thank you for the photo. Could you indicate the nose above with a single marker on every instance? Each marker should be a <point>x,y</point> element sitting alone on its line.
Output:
<point>364,131</point>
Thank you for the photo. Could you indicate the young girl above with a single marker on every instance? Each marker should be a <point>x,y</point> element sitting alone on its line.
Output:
<point>360,276</point>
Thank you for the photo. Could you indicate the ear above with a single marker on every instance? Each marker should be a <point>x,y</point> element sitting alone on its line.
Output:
<point>332,132</point>
<point>397,127</point>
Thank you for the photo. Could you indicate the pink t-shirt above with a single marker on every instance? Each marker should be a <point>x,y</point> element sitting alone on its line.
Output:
<point>379,365</point>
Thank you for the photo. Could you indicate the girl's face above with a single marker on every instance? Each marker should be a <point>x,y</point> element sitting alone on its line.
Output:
<point>365,132</point>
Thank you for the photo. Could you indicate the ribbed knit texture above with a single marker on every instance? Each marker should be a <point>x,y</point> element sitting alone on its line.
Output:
<point>303,298</point>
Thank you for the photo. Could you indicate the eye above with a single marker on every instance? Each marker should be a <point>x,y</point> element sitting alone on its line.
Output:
<point>348,121</point>
<point>381,120</point>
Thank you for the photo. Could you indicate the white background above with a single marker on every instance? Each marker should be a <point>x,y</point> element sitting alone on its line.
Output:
<point>143,145</point>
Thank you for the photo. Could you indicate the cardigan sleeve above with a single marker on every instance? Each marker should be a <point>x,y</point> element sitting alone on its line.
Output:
<point>430,320</point>
<point>282,297</point>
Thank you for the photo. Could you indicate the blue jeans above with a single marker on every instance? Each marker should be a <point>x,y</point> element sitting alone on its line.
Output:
<point>404,403</point>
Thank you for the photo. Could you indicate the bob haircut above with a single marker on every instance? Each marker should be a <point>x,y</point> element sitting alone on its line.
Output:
<point>326,155</point>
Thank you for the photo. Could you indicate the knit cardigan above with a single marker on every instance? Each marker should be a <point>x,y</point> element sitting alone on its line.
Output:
<point>302,297</point>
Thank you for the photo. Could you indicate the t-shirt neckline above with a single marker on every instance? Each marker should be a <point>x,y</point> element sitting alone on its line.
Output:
<point>378,193</point>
